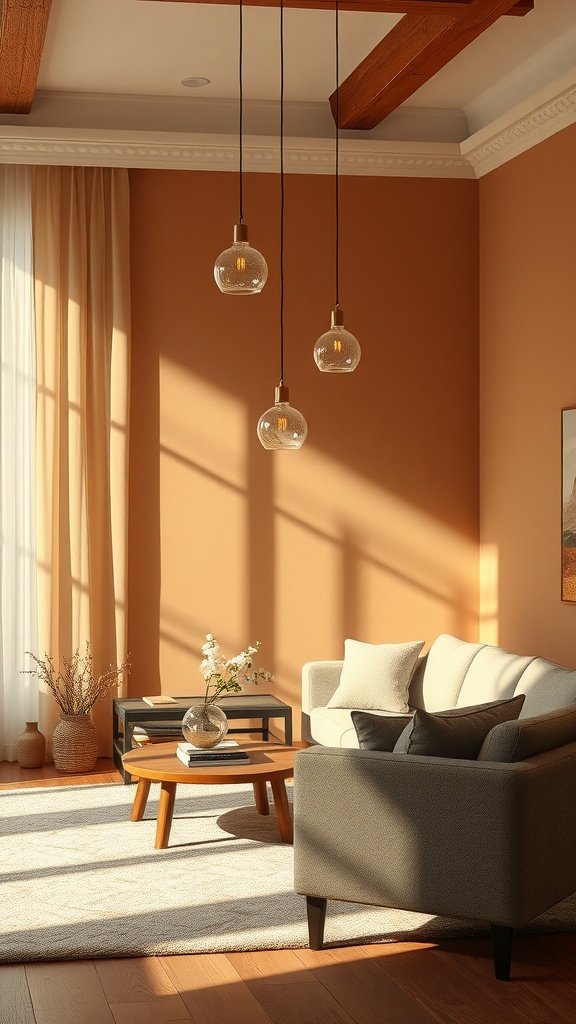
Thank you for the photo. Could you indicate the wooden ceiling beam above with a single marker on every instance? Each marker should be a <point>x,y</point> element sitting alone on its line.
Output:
<point>22,32</point>
<point>520,8</point>
<point>408,56</point>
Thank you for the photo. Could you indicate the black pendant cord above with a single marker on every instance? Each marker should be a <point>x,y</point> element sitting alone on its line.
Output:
<point>241,98</point>
<point>281,192</point>
<point>337,156</point>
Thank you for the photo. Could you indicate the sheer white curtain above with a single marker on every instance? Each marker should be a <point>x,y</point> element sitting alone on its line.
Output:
<point>18,613</point>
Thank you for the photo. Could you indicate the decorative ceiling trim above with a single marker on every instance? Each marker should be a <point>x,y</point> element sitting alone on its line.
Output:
<point>220,153</point>
<point>519,131</point>
<point>546,113</point>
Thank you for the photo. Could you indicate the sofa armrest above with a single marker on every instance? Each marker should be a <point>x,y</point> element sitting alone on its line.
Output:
<point>320,679</point>
<point>484,840</point>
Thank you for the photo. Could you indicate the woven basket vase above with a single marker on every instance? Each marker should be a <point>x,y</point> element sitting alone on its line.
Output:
<point>75,744</point>
<point>31,747</point>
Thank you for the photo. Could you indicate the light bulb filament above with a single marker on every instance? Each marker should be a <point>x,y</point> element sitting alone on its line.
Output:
<point>337,345</point>
<point>240,263</point>
<point>282,423</point>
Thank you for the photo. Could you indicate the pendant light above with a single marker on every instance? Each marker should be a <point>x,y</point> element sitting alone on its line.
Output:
<point>240,270</point>
<point>282,426</point>
<point>337,351</point>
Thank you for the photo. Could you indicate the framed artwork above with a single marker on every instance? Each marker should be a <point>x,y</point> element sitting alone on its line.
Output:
<point>569,505</point>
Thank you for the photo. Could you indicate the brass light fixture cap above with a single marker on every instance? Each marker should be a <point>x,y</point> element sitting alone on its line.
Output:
<point>337,317</point>
<point>240,232</point>
<point>281,394</point>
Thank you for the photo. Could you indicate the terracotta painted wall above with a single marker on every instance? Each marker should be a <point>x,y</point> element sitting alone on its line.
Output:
<point>528,373</point>
<point>371,530</point>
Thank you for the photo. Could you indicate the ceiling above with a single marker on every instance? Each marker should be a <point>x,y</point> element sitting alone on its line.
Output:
<point>116,65</point>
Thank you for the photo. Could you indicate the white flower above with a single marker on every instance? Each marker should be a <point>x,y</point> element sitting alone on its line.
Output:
<point>211,646</point>
<point>221,675</point>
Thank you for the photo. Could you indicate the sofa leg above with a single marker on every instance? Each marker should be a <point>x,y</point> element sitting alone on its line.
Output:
<point>502,950</point>
<point>316,911</point>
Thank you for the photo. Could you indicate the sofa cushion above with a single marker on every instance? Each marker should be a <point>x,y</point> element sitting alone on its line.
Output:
<point>376,677</point>
<point>333,727</point>
<point>458,732</point>
<point>415,698</point>
<point>493,675</point>
<point>447,663</point>
<point>527,737</point>
<point>547,687</point>
<point>378,732</point>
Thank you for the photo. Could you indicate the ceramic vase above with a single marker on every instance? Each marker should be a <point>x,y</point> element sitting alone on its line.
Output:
<point>204,725</point>
<point>31,747</point>
<point>75,744</point>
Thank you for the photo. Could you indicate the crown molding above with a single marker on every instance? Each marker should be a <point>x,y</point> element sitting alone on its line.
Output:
<point>542,115</point>
<point>526,125</point>
<point>220,153</point>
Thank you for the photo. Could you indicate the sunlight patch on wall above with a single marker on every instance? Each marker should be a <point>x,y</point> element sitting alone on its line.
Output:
<point>203,422</point>
<point>355,560</point>
<point>488,585</point>
<point>202,522</point>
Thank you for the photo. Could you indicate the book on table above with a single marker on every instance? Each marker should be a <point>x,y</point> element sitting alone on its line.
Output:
<point>225,752</point>
<point>159,728</point>
<point>159,700</point>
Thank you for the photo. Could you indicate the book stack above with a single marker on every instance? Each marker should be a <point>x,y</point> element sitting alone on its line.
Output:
<point>225,752</point>
<point>156,732</point>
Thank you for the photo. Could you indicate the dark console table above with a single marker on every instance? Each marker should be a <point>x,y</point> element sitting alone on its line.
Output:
<point>128,712</point>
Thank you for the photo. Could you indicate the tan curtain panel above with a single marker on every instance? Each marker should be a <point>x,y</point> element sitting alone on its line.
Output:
<point>82,284</point>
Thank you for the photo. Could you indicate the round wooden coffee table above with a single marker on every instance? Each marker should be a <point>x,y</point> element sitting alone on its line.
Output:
<point>158,763</point>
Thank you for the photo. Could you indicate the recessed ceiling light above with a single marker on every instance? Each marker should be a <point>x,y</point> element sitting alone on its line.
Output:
<point>194,83</point>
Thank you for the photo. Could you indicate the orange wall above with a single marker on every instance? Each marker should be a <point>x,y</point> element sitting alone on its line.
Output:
<point>528,373</point>
<point>369,531</point>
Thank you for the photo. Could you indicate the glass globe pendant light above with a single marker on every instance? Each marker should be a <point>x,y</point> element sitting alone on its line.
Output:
<point>337,351</point>
<point>240,270</point>
<point>282,426</point>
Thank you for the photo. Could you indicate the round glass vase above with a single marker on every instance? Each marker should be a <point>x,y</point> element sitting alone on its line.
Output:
<point>204,725</point>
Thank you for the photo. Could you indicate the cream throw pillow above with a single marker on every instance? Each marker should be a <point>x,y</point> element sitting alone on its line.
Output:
<point>376,677</point>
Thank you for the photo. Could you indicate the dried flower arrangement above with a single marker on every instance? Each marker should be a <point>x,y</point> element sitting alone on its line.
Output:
<point>75,688</point>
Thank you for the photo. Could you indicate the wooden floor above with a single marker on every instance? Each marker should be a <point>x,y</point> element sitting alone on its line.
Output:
<point>396,983</point>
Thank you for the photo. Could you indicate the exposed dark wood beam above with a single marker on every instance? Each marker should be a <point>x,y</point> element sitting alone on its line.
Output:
<point>412,52</point>
<point>22,32</point>
<point>520,8</point>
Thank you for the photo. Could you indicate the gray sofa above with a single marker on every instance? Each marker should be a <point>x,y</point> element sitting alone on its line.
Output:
<point>491,840</point>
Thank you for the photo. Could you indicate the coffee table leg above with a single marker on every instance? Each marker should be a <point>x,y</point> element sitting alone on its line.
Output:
<point>282,809</point>
<point>165,812</point>
<point>261,797</point>
<point>140,799</point>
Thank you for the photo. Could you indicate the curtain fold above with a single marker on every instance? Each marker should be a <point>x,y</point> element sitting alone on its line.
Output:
<point>18,632</point>
<point>81,267</point>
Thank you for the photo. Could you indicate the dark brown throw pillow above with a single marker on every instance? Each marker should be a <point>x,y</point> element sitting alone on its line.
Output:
<point>458,732</point>
<point>378,732</point>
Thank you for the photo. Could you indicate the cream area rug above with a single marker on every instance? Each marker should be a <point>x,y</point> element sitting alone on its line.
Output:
<point>78,879</point>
